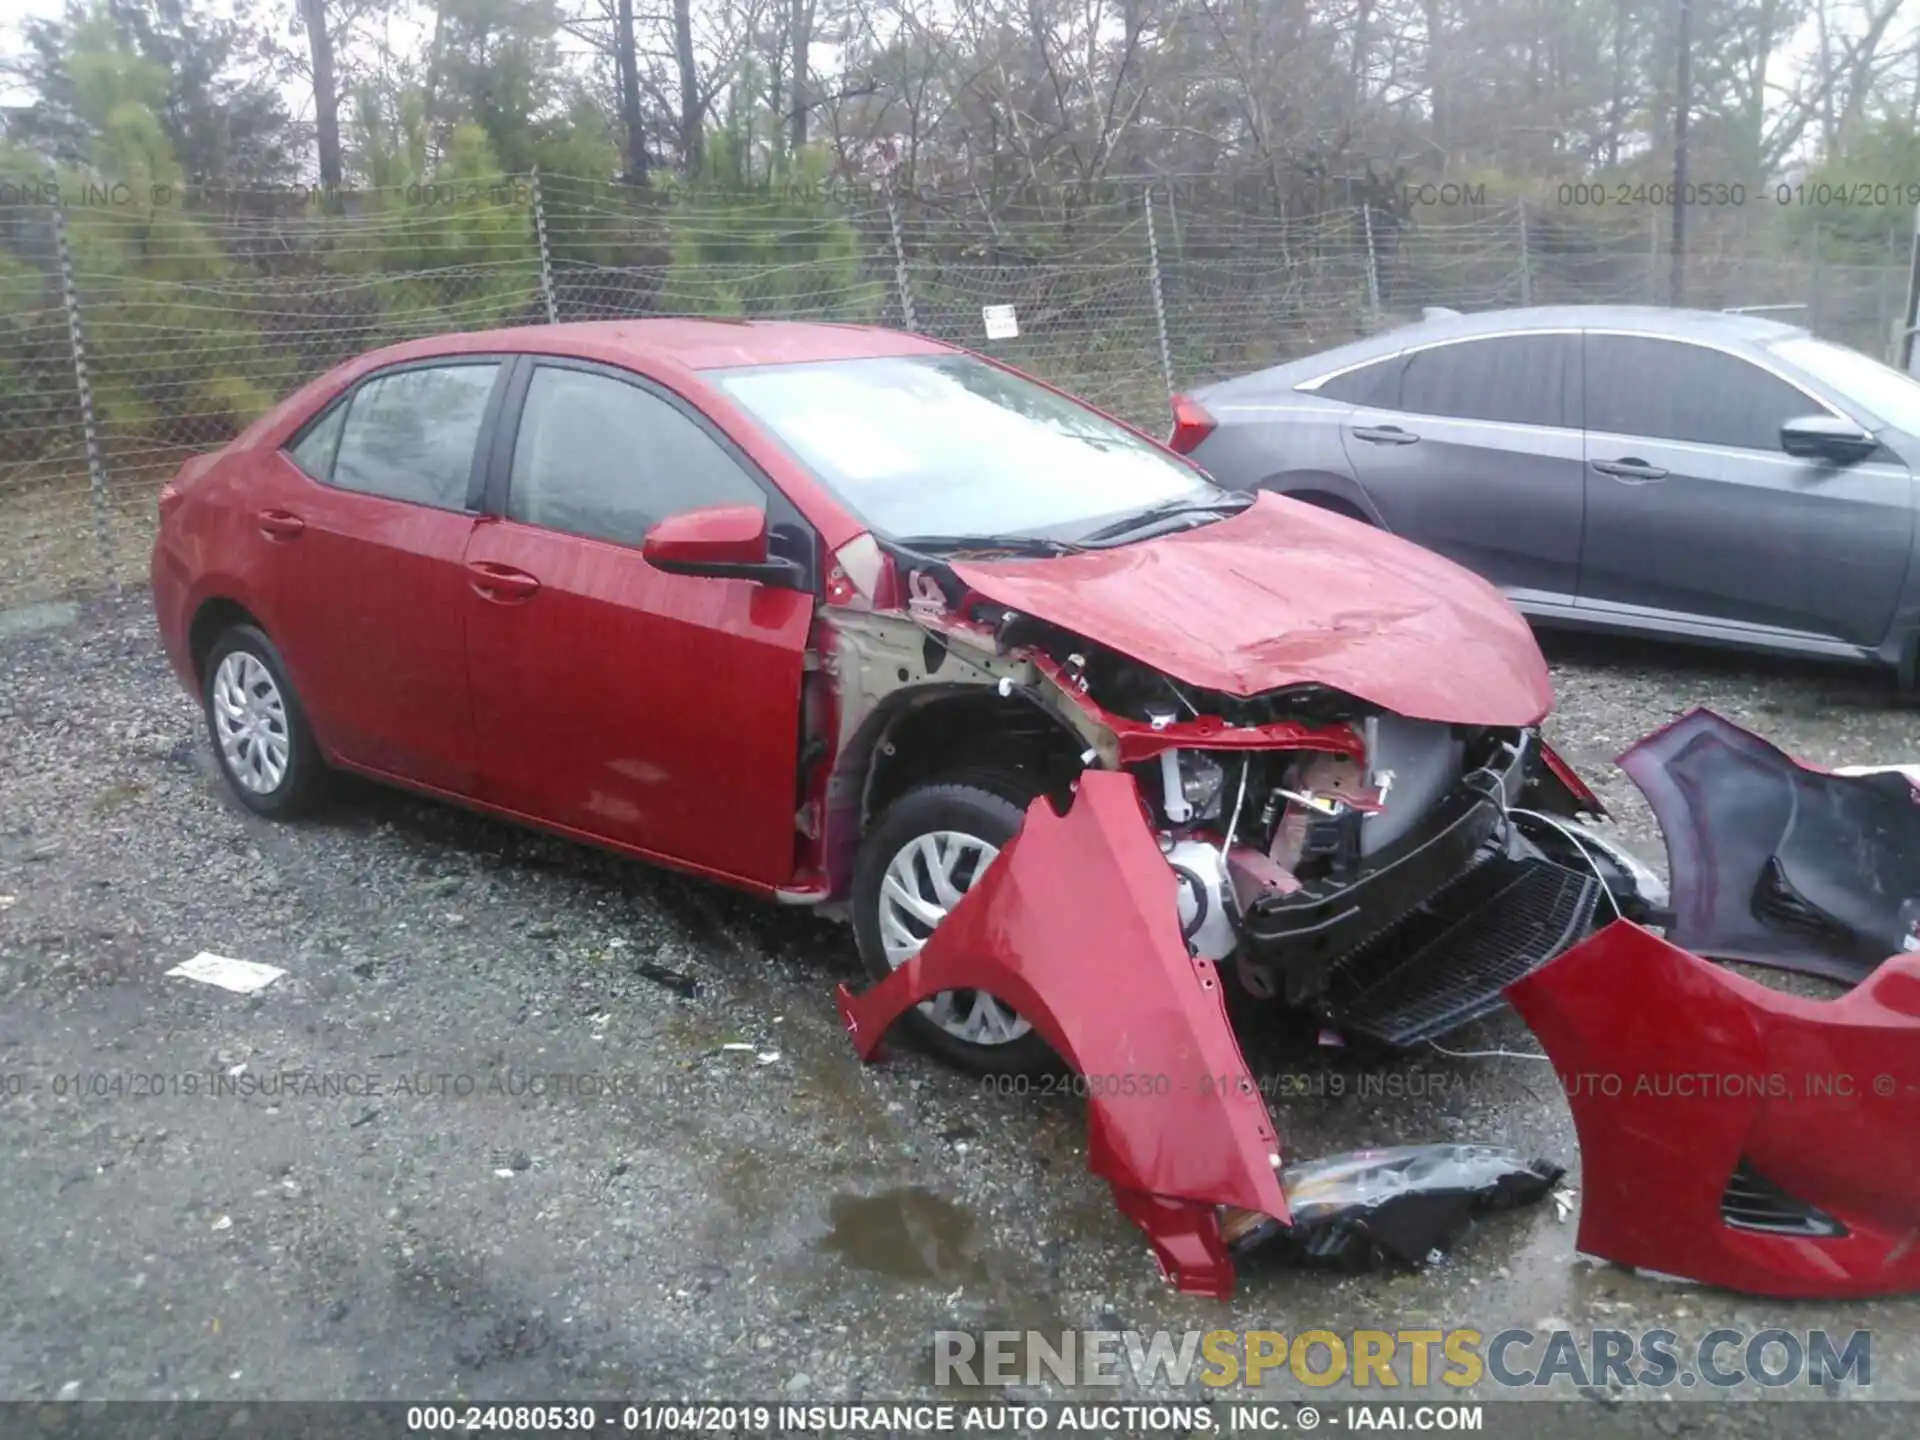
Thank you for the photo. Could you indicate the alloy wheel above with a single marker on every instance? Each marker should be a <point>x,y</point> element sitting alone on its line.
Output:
<point>923,882</point>
<point>250,720</point>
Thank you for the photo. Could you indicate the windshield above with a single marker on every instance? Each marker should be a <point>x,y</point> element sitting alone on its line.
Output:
<point>925,445</point>
<point>1882,391</point>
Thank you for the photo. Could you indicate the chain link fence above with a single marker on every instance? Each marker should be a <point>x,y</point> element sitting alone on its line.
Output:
<point>136,334</point>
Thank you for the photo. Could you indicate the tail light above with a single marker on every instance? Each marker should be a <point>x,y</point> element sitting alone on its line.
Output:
<point>1191,425</point>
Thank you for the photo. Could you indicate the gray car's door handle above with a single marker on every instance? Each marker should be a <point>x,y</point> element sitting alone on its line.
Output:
<point>1384,435</point>
<point>1632,470</point>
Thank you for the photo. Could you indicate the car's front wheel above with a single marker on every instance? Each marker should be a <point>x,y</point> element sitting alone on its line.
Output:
<point>927,850</point>
<point>260,732</point>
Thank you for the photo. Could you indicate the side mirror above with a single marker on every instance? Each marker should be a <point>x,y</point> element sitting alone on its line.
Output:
<point>722,542</point>
<point>1827,437</point>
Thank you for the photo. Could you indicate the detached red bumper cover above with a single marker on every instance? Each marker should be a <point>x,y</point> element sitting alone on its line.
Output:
<point>1075,925</point>
<point>1729,1133</point>
<point>1733,1134</point>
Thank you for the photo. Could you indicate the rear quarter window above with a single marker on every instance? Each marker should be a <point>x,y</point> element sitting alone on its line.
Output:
<point>1374,384</point>
<point>314,450</point>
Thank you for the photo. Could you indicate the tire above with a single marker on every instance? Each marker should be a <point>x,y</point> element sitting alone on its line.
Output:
<point>1332,504</point>
<point>982,807</point>
<point>261,738</point>
<point>1906,675</point>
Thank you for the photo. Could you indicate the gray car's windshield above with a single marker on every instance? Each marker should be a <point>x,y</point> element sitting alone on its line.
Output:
<point>1880,390</point>
<point>947,445</point>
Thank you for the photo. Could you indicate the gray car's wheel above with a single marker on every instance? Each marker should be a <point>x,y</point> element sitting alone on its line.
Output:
<point>1333,504</point>
<point>930,847</point>
<point>260,733</point>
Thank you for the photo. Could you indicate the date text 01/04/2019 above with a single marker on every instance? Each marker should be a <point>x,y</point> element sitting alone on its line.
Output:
<point>684,1418</point>
<point>1802,194</point>
<point>650,1419</point>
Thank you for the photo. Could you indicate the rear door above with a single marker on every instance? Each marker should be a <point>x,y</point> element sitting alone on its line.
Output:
<point>660,712</point>
<point>365,518</point>
<point>1472,448</point>
<point>1695,512</point>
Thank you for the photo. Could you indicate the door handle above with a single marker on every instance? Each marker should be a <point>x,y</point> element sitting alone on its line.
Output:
<point>1384,435</point>
<point>501,584</point>
<point>281,524</point>
<point>1632,469</point>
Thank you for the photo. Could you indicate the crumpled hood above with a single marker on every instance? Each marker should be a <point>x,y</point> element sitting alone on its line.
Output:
<point>1287,594</point>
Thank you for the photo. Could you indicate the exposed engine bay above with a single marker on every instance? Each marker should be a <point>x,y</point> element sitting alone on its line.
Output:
<point>1395,876</point>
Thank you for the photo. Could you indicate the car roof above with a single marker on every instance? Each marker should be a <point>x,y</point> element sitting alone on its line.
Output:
<point>1646,319</point>
<point>687,342</point>
<point>1709,326</point>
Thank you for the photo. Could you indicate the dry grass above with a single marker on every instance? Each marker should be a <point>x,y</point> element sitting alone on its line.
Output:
<point>50,544</point>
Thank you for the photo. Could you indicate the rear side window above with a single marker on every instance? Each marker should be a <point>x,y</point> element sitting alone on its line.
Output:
<point>1518,379</point>
<point>1668,390</point>
<point>598,457</point>
<point>411,435</point>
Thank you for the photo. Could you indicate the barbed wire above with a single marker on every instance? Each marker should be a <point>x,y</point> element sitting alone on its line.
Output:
<point>199,312</point>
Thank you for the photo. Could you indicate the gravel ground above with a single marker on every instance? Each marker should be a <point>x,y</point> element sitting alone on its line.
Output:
<point>777,1222</point>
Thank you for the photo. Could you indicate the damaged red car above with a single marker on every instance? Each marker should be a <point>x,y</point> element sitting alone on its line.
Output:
<point>1075,738</point>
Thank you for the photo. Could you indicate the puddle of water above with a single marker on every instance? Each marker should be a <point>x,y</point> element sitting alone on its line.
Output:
<point>904,1234</point>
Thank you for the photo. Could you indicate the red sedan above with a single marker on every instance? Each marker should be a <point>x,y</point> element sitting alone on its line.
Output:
<point>856,619</point>
<point>817,610</point>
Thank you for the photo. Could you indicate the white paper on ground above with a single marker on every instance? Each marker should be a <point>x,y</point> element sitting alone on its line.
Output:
<point>243,977</point>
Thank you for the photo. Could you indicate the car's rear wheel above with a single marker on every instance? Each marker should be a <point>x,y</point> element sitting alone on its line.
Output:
<point>927,850</point>
<point>260,733</point>
<point>1333,504</point>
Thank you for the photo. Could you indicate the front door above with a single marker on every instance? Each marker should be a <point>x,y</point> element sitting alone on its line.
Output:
<point>660,712</point>
<point>1695,512</point>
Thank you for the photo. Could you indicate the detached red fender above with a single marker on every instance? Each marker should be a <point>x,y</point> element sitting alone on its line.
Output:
<point>1680,1073</point>
<point>1075,925</point>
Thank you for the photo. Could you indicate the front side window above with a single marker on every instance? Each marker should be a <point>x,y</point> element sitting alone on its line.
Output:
<point>1669,390</point>
<point>1883,392</point>
<point>411,435</point>
<point>598,457</point>
<point>944,445</point>
<point>1518,379</point>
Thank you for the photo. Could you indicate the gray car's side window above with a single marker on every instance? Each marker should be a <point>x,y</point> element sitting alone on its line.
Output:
<point>1671,390</point>
<point>1376,384</point>
<point>1516,379</point>
<point>598,457</point>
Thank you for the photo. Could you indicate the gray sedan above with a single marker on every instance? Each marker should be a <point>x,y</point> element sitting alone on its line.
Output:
<point>1708,477</point>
